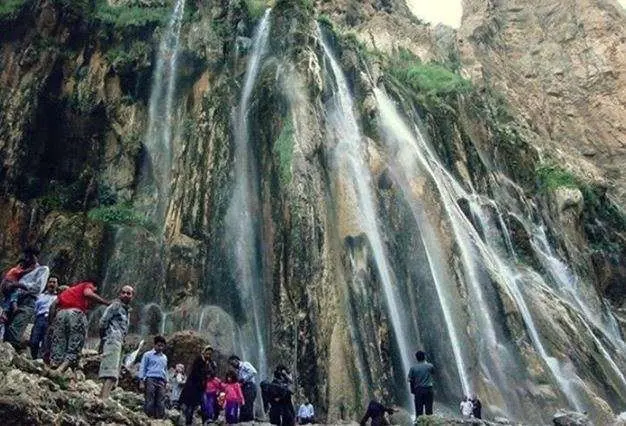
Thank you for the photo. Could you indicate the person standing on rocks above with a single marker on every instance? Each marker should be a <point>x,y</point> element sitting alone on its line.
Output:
<point>477,407</point>
<point>247,377</point>
<point>421,381</point>
<point>70,323</point>
<point>31,283</point>
<point>277,395</point>
<point>42,308</point>
<point>113,329</point>
<point>153,379</point>
<point>191,397</point>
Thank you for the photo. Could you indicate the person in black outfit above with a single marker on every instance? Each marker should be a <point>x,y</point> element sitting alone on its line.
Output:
<point>191,396</point>
<point>421,381</point>
<point>376,411</point>
<point>477,407</point>
<point>277,395</point>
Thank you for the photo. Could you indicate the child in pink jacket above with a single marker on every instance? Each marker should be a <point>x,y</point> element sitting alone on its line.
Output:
<point>212,389</point>
<point>234,398</point>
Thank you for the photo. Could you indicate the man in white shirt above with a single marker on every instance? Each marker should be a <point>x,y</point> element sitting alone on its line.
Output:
<point>247,377</point>
<point>306,413</point>
<point>466,408</point>
<point>42,307</point>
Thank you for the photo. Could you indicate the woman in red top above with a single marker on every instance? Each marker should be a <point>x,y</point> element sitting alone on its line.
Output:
<point>70,323</point>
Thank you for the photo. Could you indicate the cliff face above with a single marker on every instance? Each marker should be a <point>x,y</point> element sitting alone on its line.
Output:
<point>321,186</point>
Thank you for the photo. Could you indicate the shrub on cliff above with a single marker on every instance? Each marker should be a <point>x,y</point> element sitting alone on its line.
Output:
<point>120,214</point>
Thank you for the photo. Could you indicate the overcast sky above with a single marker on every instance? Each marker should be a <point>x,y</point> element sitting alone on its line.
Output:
<point>445,11</point>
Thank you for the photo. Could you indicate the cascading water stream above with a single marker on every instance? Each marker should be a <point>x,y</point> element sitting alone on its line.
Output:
<point>342,124</point>
<point>467,238</point>
<point>241,216</point>
<point>158,139</point>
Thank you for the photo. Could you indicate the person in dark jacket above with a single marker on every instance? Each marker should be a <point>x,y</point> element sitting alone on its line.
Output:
<point>277,396</point>
<point>477,407</point>
<point>376,411</point>
<point>191,396</point>
<point>421,381</point>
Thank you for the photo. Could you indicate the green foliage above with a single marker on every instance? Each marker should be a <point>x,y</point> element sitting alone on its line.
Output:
<point>431,79</point>
<point>63,197</point>
<point>283,149</point>
<point>83,100</point>
<point>550,177</point>
<point>131,58</point>
<point>255,8</point>
<point>120,214</point>
<point>9,9</point>
<point>325,21</point>
<point>131,16</point>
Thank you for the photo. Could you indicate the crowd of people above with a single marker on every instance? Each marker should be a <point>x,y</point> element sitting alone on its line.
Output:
<point>30,295</point>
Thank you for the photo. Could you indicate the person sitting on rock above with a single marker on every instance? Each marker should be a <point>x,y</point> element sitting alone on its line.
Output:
<point>306,413</point>
<point>153,379</point>
<point>376,412</point>
<point>32,281</point>
<point>466,408</point>
<point>70,323</point>
<point>114,327</point>
<point>42,309</point>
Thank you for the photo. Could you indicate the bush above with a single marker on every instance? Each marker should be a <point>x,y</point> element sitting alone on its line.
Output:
<point>433,83</point>
<point>550,177</point>
<point>120,214</point>
<point>255,8</point>
<point>130,59</point>
<point>131,16</point>
<point>9,9</point>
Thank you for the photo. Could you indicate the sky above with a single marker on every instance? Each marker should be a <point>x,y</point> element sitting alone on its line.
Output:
<point>444,11</point>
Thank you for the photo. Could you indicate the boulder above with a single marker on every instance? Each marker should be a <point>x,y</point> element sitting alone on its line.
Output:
<point>570,418</point>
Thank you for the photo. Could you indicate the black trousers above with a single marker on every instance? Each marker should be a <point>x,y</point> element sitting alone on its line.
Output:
<point>246,412</point>
<point>423,401</point>
<point>282,414</point>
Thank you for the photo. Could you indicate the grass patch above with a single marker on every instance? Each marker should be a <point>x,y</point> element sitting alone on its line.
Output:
<point>283,149</point>
<point>120,214</point>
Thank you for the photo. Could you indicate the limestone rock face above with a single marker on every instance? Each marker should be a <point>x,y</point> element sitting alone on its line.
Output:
<point>561,65</point>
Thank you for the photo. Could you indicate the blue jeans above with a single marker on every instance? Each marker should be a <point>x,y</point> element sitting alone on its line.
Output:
<point>37,334</point>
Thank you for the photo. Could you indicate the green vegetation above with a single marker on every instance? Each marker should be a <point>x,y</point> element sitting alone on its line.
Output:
<point>120,214</point>
<point>255,8</point>
<point>131,58</point>
<point>283,149</point>
<point>550,177</point>
<point>9,9</point>
<point>131,16</point>
<point>432,79</point>
<point>325,21</point>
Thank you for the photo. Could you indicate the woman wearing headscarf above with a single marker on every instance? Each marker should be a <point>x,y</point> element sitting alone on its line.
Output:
<point>191,397</point>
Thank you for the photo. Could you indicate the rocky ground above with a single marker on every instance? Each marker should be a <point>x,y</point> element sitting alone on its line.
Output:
<point>31,394</point>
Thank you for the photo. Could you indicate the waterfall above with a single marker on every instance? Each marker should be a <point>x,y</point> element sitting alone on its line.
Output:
<point>473,248</point>
<point>243,212</point>
<point>342,125</point>
<point>158,139</point>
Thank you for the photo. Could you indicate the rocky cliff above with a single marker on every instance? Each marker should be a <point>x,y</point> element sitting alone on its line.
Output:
<point>334,185</point>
